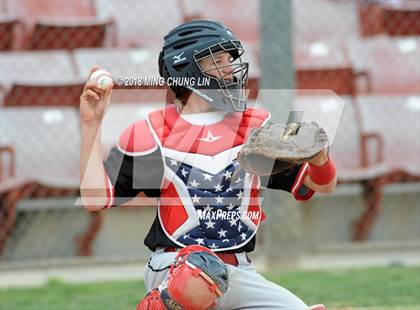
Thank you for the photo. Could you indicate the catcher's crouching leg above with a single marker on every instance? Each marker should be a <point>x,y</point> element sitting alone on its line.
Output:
<point>197,278</point>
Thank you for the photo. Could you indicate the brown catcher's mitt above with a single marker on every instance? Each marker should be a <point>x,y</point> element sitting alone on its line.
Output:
<point>276,147</point>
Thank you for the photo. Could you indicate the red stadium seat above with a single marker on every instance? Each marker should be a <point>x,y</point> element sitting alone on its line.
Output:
<point>325,65</point>
<point>44,95</point>
<point>397,118</point>
<point>2,91</point>
<point>141,23</point>
<point>324,19</point>
<point>39,78</point>
<point>392,63</point>
<point>10,193</point>
<point>370,18</point>
<point>30,12</point>
<point>393,18</point>
<point>8,151</point>
<point>46,142</point>
<point>36,67</point>
<point>8,33</point>
<point>69,34</point>
<point>402,21</point>
<point>242,17</point>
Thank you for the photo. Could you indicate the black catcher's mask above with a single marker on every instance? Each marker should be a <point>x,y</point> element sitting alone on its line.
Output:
<point>187,45</point>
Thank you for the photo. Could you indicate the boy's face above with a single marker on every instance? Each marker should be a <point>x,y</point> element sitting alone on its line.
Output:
<point>227,68</point>
<point>219,65</point>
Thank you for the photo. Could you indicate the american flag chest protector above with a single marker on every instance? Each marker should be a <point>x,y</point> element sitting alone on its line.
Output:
<point>203,201</point>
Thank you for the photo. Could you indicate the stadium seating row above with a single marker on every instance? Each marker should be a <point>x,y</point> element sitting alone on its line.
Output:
<point>379,65</point>
<point>85,23</point>
<point>395,18</point>
<point>96,23</point>
<point>52,25</point>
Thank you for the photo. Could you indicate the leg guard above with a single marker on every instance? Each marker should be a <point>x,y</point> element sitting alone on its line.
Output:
<point>197,278</point>
<point>151,301</point>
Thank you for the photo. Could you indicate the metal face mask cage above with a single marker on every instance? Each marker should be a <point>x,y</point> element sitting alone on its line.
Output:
<point>233,90</point>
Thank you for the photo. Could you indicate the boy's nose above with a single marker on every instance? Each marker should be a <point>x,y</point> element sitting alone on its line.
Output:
<point>227,73</point>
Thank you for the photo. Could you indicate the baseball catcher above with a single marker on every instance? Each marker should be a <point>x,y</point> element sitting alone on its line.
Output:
<point>207,157</point>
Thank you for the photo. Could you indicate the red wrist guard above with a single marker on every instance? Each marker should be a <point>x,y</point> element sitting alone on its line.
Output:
<point>324,174</point>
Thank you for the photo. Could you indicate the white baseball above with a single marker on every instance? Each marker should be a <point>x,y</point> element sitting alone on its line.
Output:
<point>101,77</point>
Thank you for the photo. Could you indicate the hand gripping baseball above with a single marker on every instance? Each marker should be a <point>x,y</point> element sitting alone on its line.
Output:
<point>96,96</point>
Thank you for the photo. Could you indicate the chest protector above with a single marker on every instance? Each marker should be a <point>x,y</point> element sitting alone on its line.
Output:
<point>205,199</point>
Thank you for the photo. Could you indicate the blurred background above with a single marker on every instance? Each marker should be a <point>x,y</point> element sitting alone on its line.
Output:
<point>366,51</point>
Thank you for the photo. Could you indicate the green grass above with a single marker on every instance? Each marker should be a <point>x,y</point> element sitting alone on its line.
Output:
<point>391,287</point>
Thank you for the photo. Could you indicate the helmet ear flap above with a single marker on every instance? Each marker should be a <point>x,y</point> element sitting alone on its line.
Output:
<point>180,92</point>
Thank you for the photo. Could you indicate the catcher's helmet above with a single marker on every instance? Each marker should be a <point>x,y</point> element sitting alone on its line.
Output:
<point>191,42</point>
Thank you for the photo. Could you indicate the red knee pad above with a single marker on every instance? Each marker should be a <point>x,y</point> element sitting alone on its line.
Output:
<point>192,288</point>
<point>151,301</point>
<point>197,278</point>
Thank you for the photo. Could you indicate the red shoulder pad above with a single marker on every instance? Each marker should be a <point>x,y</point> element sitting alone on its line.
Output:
<point>137,139</point>
<point>254,117</point>
<point>162,121</point>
